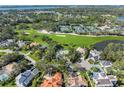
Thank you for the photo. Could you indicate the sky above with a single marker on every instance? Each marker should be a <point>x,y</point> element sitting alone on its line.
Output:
<point>62,2</point>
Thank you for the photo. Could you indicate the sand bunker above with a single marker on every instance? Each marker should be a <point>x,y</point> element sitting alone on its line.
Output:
<point>61,35</point>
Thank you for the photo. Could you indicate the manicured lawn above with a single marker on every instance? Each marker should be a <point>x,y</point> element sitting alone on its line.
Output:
<point>34,57</point>
<point>2,53</point>
<point>86,41</point>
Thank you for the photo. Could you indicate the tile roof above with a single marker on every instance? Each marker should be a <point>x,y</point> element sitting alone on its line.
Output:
<point>55,81</point>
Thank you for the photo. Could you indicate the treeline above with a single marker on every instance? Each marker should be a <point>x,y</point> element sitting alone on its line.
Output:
<point>115,53</point>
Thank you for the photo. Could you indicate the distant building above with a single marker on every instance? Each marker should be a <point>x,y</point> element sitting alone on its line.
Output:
<point>65,28</point>
<point>79,29</point>
<point>23,79</point>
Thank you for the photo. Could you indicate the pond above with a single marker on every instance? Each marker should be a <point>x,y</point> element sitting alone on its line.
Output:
<point>101,45</point>
<point>121,18</point>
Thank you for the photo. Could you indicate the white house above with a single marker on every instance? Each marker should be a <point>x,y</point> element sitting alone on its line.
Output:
<point>105,64</point>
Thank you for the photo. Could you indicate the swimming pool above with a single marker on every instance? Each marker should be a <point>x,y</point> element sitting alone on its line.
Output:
<point>4,77</point>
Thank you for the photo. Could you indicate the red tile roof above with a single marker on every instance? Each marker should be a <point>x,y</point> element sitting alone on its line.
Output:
<point>55,81</point>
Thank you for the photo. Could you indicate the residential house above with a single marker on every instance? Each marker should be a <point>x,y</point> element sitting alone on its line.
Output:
<point>99,75</point>
<point>83,65</point>
<point>113,79</point>
<point>34,44</point>
<point>76,80</point>
<point>54,81</point>
<point>65,28</point>
<point>20,43</point>
<point>94,55</point>
<point>23,79</point>
<point>78,29</point>
<point>6,43</point>
<point>105,64</point>
<point>81,50</point>
<point>104,83</point>
<point>25,33</point>
<point>101,79</point>
<point>61,54</point>
<point>6,71</point>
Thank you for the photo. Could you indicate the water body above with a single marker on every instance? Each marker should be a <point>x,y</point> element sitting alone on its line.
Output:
<point>3,8</point>
<point>101,45</point>
<point>121,18</point>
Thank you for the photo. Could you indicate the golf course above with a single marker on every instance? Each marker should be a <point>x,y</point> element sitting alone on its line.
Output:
<point>78,40</point>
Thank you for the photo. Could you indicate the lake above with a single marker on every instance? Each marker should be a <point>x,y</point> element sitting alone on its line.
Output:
<point>121,18</point>
<point>101,45</point>
<point>43,7</point>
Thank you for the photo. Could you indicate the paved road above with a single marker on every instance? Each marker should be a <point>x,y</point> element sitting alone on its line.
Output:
<point>6,51</point>
<point>25,55</point>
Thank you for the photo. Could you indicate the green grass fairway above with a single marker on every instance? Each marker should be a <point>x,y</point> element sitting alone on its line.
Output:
<point>86,41</point>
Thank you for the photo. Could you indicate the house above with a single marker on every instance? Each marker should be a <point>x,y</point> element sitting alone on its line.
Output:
<point>105,64</point>
<point>99,75</point>
<point>20,43</point>
<point>34,44</point>
<point>9,68</point>
<point>102,80</point>
<point>81,50</point>
<point>113,79</point>
<point>104,83</point>
<point>76,80</point>
<point>83,65</point>
<point>94,55</point>
<point>61,54</point>
<point>25,33</point>
<point>23,79</point>
<point>6,71</point>
<point>65,28</point>
<point>6,43</point>
<point>78,29</point>
<point>54,81</point>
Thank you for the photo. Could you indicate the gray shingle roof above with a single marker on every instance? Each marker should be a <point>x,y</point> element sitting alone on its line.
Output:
<point>104,81</point>
<point>26,77</point>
